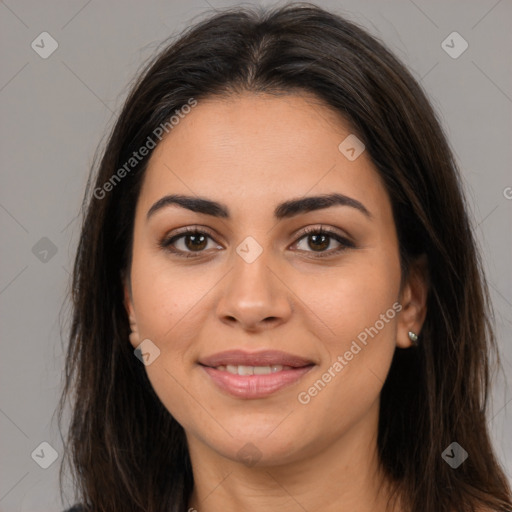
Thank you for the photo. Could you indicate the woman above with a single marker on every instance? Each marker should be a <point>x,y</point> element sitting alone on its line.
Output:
<point>278,304</point>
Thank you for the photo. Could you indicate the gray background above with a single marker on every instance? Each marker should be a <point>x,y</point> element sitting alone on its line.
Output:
<point>55,111</point>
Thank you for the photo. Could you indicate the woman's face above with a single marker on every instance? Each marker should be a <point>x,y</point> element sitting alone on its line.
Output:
<point>274,343</point>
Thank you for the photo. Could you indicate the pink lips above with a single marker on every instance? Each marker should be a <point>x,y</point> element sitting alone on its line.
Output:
<point>255,386</point>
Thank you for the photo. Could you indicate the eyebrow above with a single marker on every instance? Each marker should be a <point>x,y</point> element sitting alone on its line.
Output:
<point>284,210</point>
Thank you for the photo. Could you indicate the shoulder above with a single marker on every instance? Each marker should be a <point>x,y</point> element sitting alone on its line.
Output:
<point>76,508</point>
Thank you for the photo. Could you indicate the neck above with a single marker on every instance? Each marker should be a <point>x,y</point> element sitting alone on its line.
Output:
<point>344,476</point>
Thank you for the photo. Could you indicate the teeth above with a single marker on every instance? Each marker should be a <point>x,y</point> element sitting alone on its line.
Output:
<point>252,370</point>
<point>262,370</point>
<point>246,370</point>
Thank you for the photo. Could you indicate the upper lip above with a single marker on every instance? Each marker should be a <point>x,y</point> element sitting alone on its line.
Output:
<point>262,358</point>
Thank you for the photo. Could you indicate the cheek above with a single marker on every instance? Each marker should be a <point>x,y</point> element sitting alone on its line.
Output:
<point>356,309</point>
<point>359,305</point>
<point>168,302</point>
<point>166,297</point>
<point>171,304</point>
<point>351,298</point>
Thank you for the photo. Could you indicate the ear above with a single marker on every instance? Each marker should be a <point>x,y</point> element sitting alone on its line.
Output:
<point>128,304</point>
<point>413,298</point>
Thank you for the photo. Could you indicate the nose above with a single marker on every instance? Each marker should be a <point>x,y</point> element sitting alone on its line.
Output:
<point>254,296</point>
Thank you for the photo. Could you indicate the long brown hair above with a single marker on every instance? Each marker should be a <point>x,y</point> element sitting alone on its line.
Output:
<point>125,450</point>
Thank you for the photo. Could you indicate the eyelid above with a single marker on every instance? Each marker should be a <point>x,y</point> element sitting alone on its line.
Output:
<point>196,228</point>
<point>320,228</point>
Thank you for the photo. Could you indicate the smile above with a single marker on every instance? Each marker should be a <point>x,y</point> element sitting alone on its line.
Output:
<point>232,372</point>
<point>253,370</point>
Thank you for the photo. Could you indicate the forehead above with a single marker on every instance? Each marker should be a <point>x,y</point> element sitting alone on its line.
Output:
<point>259,148</point>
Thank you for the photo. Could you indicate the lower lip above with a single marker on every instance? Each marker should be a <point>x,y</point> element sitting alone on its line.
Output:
<point>255,386</point>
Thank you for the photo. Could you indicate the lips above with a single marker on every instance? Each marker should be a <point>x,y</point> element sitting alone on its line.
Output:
<point>265,358</point>
<point>254,375</point>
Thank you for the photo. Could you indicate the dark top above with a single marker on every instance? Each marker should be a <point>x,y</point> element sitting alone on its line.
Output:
<point>75,508</point>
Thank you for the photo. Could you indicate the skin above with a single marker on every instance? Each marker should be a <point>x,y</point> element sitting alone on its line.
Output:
<point>252,152</point>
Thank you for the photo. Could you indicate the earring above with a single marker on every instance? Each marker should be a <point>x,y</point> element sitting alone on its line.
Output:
<point>414,338</point>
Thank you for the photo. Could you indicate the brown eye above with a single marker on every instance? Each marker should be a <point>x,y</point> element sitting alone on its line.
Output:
<point>188,242</point>
<point>195,242</point>
<point>318,240</point>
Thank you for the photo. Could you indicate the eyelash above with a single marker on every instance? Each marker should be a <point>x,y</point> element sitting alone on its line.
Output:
<point>166,243</point>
